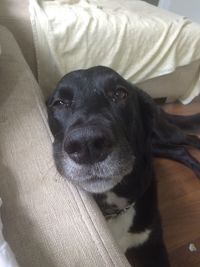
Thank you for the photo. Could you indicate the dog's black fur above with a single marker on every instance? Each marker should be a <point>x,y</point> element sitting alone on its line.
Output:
<point>106,133</point>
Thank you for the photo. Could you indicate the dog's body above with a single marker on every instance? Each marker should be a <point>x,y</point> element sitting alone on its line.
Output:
<point>106,132</point>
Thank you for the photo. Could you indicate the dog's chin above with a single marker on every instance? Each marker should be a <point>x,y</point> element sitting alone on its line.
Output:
<point>99,177</point>
<point>98,185</point>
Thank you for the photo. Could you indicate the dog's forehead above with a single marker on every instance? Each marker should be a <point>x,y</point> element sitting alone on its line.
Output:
<point>90,81</point>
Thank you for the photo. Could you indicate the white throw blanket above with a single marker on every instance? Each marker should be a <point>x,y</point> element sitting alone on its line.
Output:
<point>7,258</point>
<point>138,40</point>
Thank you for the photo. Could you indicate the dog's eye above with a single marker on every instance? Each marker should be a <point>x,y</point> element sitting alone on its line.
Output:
<point>60,103</point>
<point>120,94</point>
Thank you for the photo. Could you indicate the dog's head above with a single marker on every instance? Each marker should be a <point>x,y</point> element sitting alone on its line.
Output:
<point>101,125</point>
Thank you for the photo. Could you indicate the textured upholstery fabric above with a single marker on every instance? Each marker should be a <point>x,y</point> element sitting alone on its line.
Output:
<point>14,15</point>
<point>47,221</point>
<point>7,258</point>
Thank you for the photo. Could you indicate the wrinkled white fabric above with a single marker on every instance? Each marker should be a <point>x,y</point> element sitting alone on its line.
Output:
<point>138,40</point>
<point>7,258</point>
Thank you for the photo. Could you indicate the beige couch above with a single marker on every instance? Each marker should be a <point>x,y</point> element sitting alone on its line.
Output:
<point>47,221</point>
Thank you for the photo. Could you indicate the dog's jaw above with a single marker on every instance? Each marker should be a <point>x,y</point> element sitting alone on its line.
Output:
<point>97,185</point>
<point>99,177</point>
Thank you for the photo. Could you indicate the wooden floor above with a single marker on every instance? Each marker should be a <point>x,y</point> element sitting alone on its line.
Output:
<point>179,200</point>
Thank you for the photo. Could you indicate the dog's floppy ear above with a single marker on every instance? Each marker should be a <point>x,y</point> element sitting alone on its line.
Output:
<point>144,112</point>
<point>148,111</point>
<point>53,122</point>
<point>49,100</point>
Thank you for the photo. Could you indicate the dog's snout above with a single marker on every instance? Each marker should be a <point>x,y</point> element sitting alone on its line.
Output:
<point>88,145</point>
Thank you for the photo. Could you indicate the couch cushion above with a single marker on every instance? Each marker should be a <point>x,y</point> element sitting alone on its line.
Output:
<point>47,221</point>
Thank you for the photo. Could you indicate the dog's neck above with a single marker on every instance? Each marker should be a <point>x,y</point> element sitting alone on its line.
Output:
<point>126,194</point>
<point>111,204</point>
<point>118,212</point>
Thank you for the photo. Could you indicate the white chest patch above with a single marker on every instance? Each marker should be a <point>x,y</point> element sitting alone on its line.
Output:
<point>121,224</point>
<point>113,199</point>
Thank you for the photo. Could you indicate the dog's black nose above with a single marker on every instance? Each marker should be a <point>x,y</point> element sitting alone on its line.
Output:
<point>88,145</point>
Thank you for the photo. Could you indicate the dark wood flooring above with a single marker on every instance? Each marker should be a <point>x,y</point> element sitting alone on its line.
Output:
<point>179,200</point>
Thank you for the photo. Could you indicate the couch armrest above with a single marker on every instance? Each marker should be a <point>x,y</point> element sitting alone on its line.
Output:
<point>47,221</point>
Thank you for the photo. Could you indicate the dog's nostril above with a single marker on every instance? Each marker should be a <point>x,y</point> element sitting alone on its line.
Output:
<point>99,143</point>
<point>102,143</point>
<point>73,147</point>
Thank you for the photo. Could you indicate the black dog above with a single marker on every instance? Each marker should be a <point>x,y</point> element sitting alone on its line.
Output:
<point>106,132</point>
